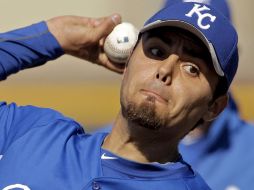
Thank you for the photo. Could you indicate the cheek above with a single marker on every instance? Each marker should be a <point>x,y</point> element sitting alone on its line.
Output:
<point>195,89</point>
<point>138,72</point>
<point>191,98</point>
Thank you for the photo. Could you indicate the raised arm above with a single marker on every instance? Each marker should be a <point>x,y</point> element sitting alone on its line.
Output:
<point>36,44</point>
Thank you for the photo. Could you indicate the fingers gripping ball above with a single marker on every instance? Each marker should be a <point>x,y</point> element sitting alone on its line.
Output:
<point>120,42</point>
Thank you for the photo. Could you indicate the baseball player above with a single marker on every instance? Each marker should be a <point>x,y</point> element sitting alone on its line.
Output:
<point>176,78</point>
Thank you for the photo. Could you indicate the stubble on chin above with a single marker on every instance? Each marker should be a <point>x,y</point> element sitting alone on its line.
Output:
<point>144,114</point>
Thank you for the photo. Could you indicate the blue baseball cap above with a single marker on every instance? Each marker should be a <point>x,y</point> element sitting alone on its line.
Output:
<point>209,25</point>
<point>221,5</point>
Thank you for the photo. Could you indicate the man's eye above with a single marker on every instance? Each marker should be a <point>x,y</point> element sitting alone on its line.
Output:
<point>191,69</point>
<point>157,52</point>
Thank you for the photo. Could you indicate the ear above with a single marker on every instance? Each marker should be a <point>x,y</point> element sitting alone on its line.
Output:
<point>216,108</point>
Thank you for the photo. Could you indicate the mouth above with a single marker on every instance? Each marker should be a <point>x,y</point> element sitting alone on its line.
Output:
<point>154,95</point>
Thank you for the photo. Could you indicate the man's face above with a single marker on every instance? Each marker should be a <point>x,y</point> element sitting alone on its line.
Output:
<point>169,82</point>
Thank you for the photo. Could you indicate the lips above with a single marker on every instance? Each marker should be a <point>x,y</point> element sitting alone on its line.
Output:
<point>157,95</point>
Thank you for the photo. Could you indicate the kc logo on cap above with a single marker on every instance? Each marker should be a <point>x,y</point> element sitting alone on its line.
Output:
<point>198,9</point>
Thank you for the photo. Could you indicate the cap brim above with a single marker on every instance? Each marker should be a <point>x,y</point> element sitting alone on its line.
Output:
<point>192,29</point>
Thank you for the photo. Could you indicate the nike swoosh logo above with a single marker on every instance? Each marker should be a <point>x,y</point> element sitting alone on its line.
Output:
<point>104,157</point>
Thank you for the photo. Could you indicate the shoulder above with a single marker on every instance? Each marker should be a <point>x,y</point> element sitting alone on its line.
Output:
<point>24,114</point>
<point>19,121</point>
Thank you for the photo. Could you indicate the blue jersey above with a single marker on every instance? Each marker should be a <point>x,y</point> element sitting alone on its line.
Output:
<point>42,149</point>
<point>224,155</point>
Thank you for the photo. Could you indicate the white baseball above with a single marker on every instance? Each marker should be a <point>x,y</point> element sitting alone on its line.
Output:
<point>119,43</point>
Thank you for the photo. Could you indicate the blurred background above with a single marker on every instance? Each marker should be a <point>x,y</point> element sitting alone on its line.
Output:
<point>88,93</point>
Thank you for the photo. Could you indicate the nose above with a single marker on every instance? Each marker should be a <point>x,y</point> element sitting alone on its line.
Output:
<point>166,68</point>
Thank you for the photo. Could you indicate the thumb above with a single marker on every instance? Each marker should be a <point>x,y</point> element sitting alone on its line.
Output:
<point>107,25</point>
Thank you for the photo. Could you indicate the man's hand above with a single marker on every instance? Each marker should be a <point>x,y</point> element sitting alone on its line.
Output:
<point>84,37</point>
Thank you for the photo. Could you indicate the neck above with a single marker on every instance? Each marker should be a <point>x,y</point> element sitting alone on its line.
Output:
<point>199,131</point>
<point>140,144</point>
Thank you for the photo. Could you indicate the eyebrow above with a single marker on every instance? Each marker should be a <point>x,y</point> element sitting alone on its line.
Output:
<point>200,54</point>
<point>194,50</point>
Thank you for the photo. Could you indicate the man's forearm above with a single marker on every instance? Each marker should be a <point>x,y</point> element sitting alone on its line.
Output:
<point>27,47</point>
